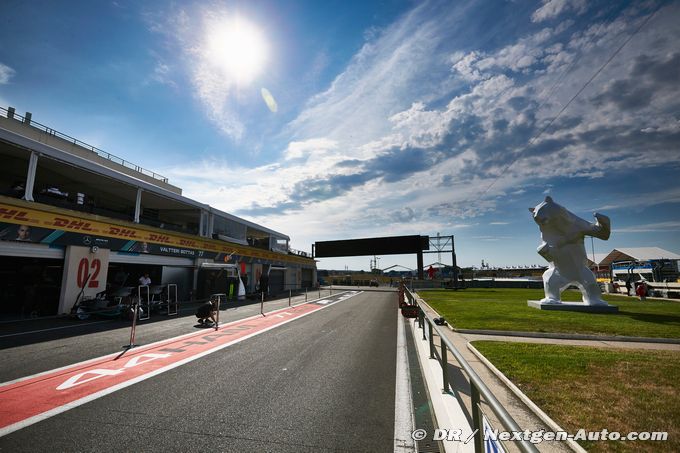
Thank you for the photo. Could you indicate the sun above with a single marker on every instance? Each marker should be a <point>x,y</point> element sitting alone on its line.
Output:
<point>237,47</point>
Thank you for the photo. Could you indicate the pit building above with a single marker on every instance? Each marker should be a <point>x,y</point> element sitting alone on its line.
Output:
<point>76,221</point>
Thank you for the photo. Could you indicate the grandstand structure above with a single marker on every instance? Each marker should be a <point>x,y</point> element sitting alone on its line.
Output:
<point>76,221</point>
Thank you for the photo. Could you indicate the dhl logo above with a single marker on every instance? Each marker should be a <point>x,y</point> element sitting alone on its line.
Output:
<point>125,232</point>
<point>160,238</point>
<point>187,243</point>
<point>72,224</point>
<point>14,214</point>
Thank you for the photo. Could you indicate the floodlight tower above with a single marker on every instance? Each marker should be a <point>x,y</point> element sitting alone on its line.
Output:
<point>441,244</point>
<point>374,263</point>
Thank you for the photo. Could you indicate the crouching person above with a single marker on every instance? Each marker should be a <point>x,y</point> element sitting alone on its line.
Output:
<point>206,313</point>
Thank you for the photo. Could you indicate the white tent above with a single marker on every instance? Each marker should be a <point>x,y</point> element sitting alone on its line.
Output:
<point>637,254</point>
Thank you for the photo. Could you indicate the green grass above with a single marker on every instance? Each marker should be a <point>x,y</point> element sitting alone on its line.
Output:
<point>595,389</point>
<point>506,309</point>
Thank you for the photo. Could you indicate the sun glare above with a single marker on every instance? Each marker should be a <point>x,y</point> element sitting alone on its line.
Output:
<point>237,47</point>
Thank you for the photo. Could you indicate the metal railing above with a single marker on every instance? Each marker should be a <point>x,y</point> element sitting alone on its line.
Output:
<point>307,291</point>
<point>293,251</point>
<point>144,301</point>
<point>11,114</point>
<point>217,299</point>
<point>477,387</point>
<point>172,300</point>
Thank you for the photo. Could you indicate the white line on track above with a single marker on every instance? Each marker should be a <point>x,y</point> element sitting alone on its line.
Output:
<point>54,328</point>
<point>404,420</point>
<point>50,413</point>
<point>167,340</point>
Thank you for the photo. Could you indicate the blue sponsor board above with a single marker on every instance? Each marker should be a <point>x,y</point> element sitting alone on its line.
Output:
<point>632,266</point>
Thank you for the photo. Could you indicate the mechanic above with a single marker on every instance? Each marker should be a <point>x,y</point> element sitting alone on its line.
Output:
<point>207,312</point>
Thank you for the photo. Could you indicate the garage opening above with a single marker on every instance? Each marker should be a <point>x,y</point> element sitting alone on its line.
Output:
<point>218,278</point>
<point>29,287</point>
<point>277,280</point>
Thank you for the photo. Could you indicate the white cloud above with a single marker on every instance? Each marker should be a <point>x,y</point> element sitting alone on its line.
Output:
<point>553,8</point>
<point>162,73</point>
<point>303,149</point>
<point>532,50</point>
<point>641,199</point>
<point>385,76</point>
<point>6,73</point>
<point>650,228</point>
<point>419,127</point>
<point>214,92</point>
<point>467,67</point>
<point>491,238</point>
<point>403,157</point>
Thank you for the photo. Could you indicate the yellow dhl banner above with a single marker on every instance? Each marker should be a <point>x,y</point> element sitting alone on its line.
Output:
<point>65,222</point>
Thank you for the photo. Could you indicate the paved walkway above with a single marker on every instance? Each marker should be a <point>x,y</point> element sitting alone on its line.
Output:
<point>572,342</point>
<point>525,418</point>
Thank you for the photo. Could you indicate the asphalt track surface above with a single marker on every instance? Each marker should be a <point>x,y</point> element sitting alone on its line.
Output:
<point>33,346</point>
<point>324,382</point>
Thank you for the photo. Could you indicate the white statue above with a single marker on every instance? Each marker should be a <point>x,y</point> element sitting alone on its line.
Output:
<point>562,233</point>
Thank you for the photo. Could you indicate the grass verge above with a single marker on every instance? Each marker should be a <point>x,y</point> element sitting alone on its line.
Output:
<point>594,389</point>
<point>506,309</point>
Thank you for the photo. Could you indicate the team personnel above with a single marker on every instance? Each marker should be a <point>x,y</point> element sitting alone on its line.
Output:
<point>207,312</point>
<point>144,280</point>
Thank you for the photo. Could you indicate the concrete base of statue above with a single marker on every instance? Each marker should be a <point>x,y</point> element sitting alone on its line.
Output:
<point>573,306</point>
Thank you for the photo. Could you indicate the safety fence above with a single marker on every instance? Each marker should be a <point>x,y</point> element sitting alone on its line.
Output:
<point>478,390</point>
<point>218,301</point>
<point>144,304</point>
<point>163,299</point>
<point>294,291</point>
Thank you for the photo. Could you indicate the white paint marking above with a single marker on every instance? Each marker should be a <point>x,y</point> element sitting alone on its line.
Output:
<point>150,345</point>
<point>58,410</point>
<point>54,328</point>
<point>149,357</point>
<point>404,420</point>
<point>95,374</point>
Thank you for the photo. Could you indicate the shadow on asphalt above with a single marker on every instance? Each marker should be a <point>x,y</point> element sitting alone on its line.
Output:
<point>25,332</point>
<point>32,331</point>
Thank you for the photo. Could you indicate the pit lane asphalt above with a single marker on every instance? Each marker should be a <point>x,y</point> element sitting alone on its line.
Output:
<point>29,347</point>
<point>325,382</point>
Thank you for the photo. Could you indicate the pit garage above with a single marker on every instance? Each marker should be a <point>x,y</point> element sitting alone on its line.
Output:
<point>30,279</point>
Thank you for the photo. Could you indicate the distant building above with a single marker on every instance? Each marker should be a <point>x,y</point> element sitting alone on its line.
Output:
<point>398,271</point>
<point>520,271</point>
<point>653,264</point>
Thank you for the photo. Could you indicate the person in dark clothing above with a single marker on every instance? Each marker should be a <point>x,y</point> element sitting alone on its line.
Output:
<point>264,284</point>
<point>205,313</point>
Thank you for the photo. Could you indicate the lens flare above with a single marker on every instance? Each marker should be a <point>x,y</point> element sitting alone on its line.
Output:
<point>269,100</point>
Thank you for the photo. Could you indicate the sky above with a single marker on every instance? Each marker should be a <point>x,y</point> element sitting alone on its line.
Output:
<point>329,120</point>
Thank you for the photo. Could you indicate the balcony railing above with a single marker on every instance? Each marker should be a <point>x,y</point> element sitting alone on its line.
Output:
<point>11,114</point>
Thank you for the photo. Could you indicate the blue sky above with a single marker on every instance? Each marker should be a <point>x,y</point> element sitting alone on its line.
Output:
<point>384,118</point>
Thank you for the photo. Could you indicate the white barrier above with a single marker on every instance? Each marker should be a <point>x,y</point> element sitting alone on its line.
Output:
<point>172,301</point>
<point>145,312</point>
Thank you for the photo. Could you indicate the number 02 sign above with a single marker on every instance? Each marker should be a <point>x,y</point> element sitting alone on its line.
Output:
<point>88,272</point>
<point>84,271</point>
